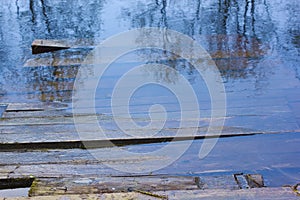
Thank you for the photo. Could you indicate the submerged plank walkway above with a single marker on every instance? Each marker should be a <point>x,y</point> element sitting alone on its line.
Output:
<point>255,157</point>
<point>35,142</point>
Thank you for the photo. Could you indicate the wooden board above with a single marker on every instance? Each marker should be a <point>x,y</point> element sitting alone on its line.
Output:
<point>279,193</point>
<point>42,46</point>
<point>45,45</point>
<point>96,185</point>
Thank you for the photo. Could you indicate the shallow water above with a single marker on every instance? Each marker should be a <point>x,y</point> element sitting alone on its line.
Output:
<point>20,192</point>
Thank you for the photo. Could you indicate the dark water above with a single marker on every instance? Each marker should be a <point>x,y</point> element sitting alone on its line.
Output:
<point>267,31</point>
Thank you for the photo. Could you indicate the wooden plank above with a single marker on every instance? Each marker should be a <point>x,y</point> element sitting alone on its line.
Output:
<point>35,106</point>
<point>107,142</point>
<point>47,45</point>
<point>97,185</point>
<point>42,46</point>
<point>55,133</point>
<point>110,184</point>
<point>276,193</point>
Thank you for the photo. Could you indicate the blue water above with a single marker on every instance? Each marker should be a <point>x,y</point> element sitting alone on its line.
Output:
<point>268,29</point>
<point>254,43</point>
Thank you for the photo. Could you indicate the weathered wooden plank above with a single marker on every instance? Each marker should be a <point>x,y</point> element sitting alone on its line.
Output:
<point>277,193</point>
<point>55,133</point>
<point>96,185</point>
<point>46,45</point>
<point>107,142</point>
<point>112,184</point>
<point>35,106</point>
<point>42,46</point>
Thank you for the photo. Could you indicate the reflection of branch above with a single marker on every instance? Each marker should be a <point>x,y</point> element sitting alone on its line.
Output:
<point>253,16</point>
<point>245,16</point>
<point>45,15</point>
<point>164,13</point>
<point>224,10</point>
<point>18,8</point>
<point>235,3</point>
<point>31,7</point>
<point>198,10</point>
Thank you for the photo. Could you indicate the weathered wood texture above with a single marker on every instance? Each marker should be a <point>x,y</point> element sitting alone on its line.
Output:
<point>44,187</point>
<point>216,194</point>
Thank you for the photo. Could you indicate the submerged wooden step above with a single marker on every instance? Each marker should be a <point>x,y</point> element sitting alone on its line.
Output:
<point>42,46</point>
<point>47,45</point>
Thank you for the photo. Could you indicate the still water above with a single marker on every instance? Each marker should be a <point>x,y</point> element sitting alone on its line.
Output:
<point>255,43</point>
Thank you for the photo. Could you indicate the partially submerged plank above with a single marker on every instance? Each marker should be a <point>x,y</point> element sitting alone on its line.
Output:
<point>35,106</point>
<point>108,142</point>
<point>47,45</point>
<point>42,46</point>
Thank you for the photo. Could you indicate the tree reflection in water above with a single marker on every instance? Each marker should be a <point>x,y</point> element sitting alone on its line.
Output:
<point>241,36</point>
